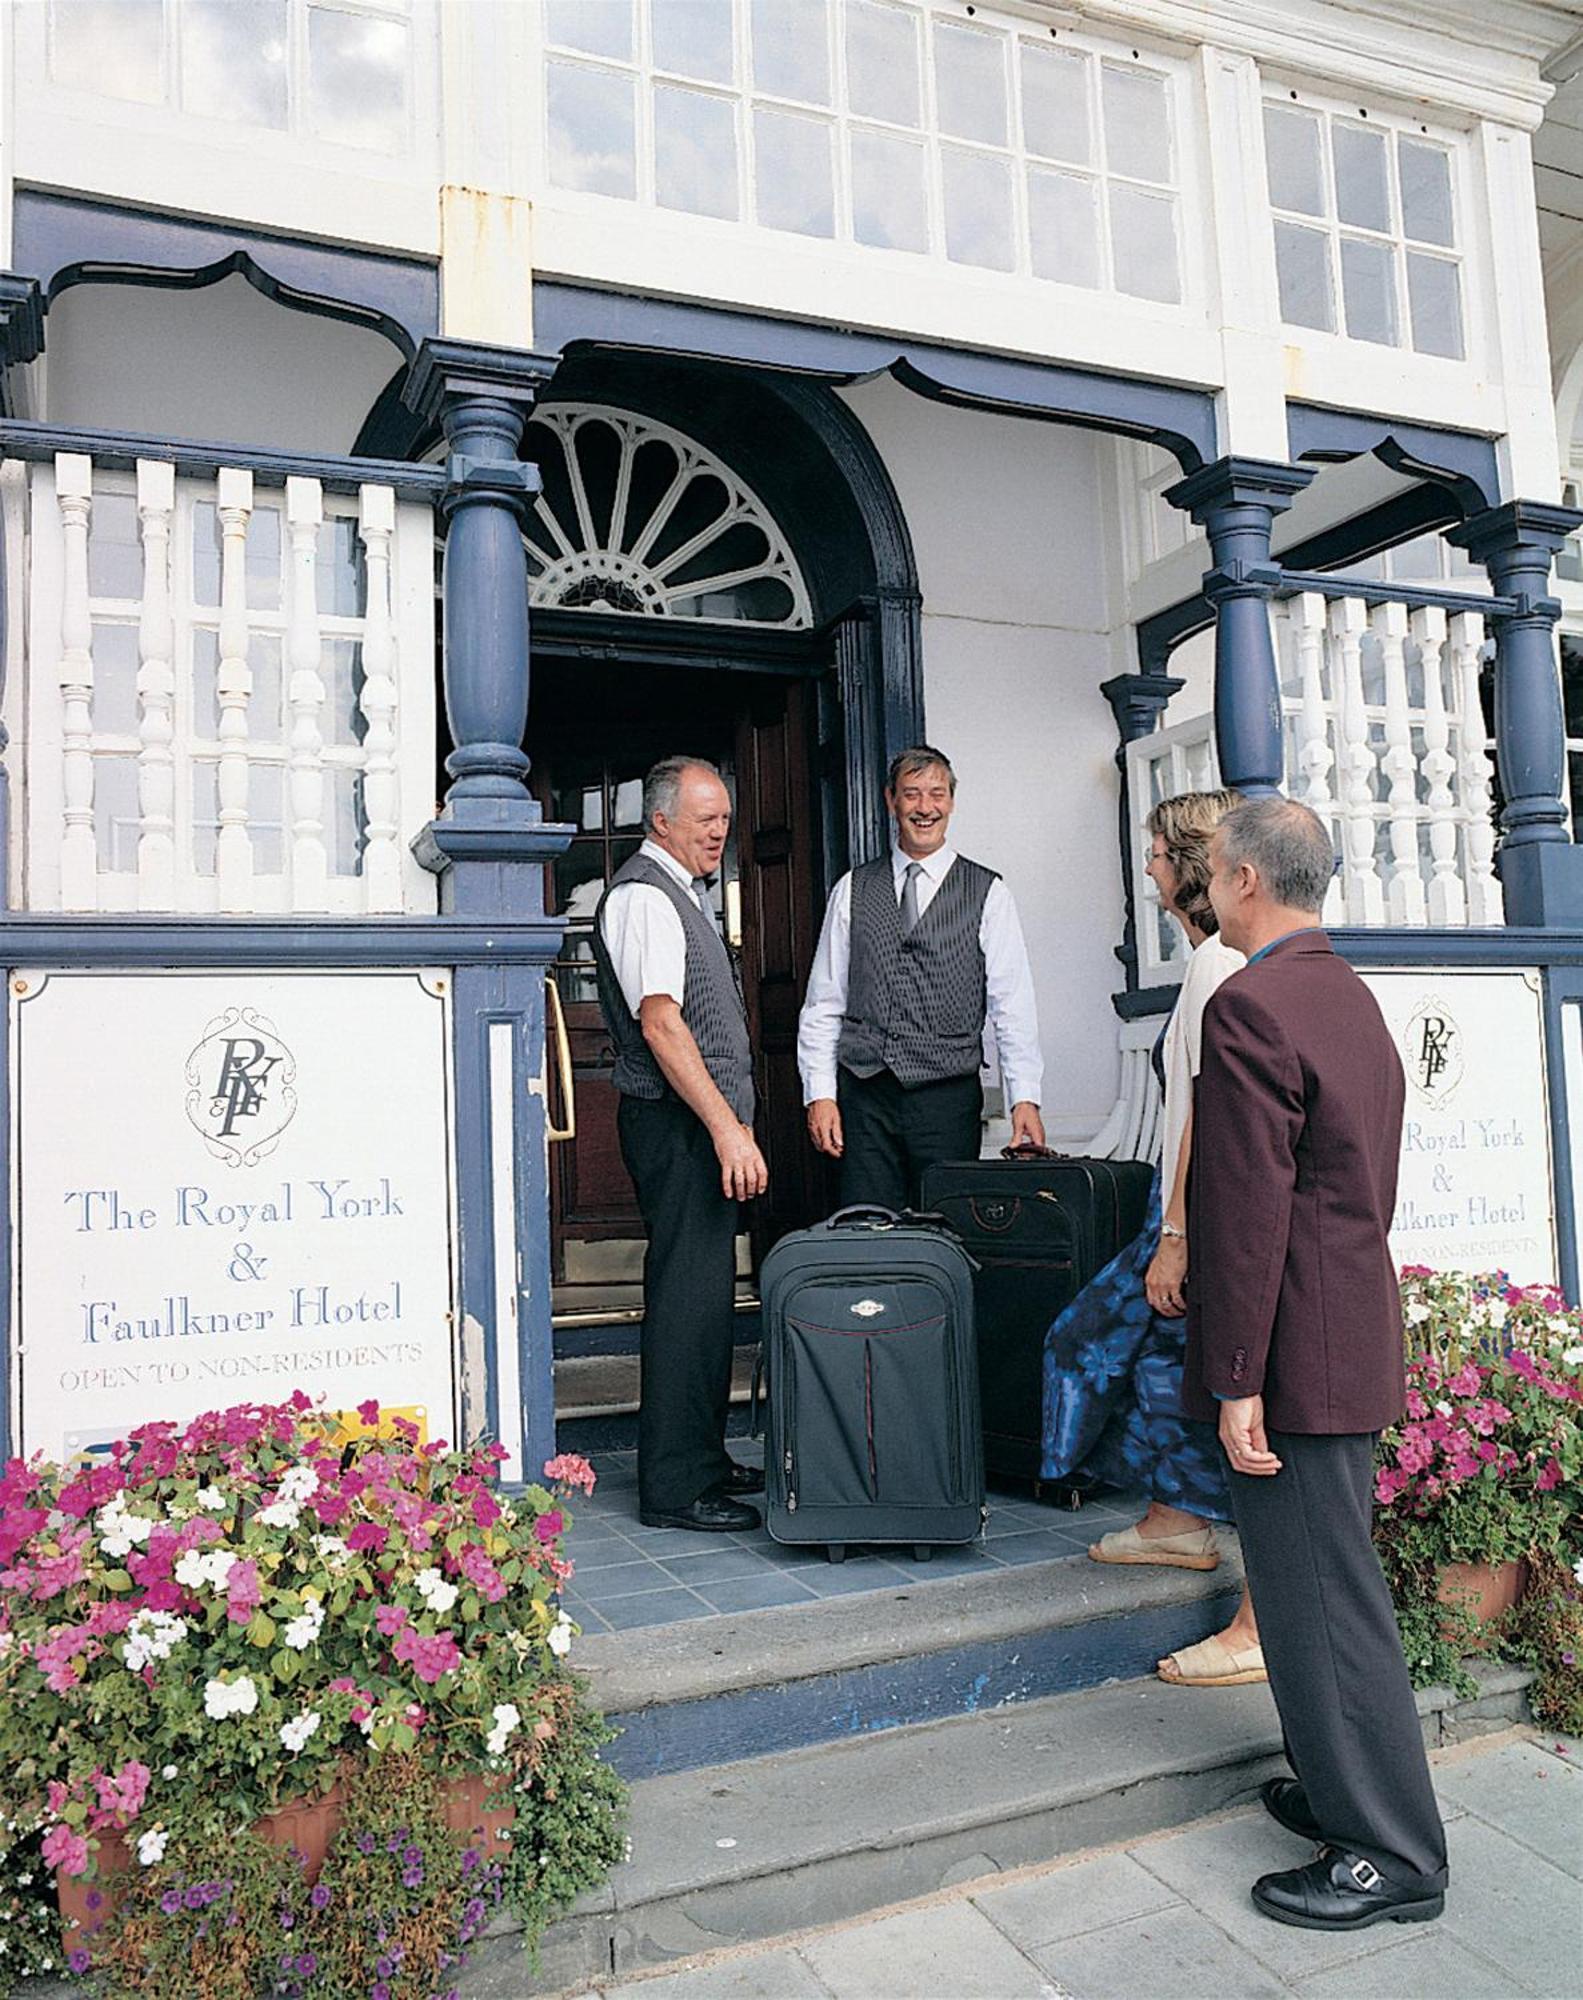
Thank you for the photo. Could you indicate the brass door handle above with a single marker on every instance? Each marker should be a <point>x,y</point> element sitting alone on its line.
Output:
<point>555,1021</point>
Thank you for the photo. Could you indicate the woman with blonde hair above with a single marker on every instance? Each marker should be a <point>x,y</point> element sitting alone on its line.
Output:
<point>1113,1359</point>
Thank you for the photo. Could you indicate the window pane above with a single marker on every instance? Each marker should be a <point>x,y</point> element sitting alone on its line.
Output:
<point>970,83</point>
<point>114,47</point>
<point>115,814</point>
<point>1434,294</point>
<point>115,558</point>
<point>1063,227</point>
<point>348,823</point>
<point>1143,244</point>
<point>1137,123</point>
<point>591,127</point>
<point>266,817</point>
<point>357,80</point>
<point>1368,286</point>
<point>233,60</point>
<point>1426,193</point>
<point>1302,264</point>
<point>977,190</point>
<point>597,27</point>
<point>792,181</point>
<point>114,702</point>
<point>1055,103</point>
<point>695,152</point>
<point>341,669</point>
<point>889,207</point>
<point>1363,187</point>
<point>791,49</point>
<point>1293,161</point>
<point>339,579</point>
<point>262,545</point>
<point>694,38</point>
<point>881,62</point>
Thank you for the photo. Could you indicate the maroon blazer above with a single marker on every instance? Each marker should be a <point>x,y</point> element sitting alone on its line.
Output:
<point>1297,1125</point>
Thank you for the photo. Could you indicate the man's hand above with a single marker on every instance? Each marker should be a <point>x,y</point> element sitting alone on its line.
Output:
<point>1242,1434</point>
<point>742,1169</point>
<point>1027,1127</point>
<point>1165,1278</point>
<point>824,1127</point>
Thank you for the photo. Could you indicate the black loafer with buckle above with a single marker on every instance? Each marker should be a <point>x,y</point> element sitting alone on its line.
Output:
<point>713,1513</point>
<point>1338,1891</point>
<point>743,1479</point>
<point>1285,1800</point>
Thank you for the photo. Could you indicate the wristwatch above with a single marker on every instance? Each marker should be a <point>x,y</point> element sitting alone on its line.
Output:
<point>1170,1229</point>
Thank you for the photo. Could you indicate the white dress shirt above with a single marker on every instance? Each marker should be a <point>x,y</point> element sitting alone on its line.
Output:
<point>1012,1013</point>
<point>1210,965</point>
<point>644,935</point>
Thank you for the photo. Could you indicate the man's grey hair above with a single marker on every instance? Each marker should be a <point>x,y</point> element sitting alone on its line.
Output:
<point>1287,844</point>
<point>662,787</point>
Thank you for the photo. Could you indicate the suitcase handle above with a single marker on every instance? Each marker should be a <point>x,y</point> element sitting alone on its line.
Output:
<point>1027,1150</point>
<point>863,1211</point>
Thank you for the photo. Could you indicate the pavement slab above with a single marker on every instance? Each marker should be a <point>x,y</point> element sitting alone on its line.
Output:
<point>1065,1902</point>
<point>949,1950</point>
<point>776,1975</point>
<point>1175,1952</point>
<point>1431,1965</point>
<point>1527,1793</point>
<point>1508,1904</point>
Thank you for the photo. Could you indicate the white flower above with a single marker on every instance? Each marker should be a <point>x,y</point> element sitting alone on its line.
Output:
<point>198,1568</point>
<point>1443,1409</point>
<point>223,1698</point>
<point>211,1499</point>
<point>169,1772</point>
<point>332,1549</point>
<point>119,1531</point>
<point>560,1636</point>
<point>436,1592</point>
<point>1415,1312</point>
<point>295,1734</point>
<point>152,1635</point>
<point>300,1483</point>
<point>1573,1357</point>
<point>1495,1310</point>
<point>281,1514</point>
<point>1577,1569</point>
<point>303,1630</point>
<point>507,1718</point>
<point>151,1846</point>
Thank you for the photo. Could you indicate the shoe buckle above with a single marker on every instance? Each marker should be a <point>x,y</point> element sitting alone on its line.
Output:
<point>1365,1874</point>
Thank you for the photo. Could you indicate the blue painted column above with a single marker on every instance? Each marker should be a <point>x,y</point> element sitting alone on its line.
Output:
<point>1235,501</point>
<point>1541,871</point>
<point>489,846</point>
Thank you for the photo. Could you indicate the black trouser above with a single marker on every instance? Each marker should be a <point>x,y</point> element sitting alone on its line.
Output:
<point>890,1134</point>
<point>689,1279</point>
<point>1335,1656</point>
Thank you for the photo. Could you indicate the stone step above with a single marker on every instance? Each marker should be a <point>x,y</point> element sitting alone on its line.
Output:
<point>763,1682</point>
<point>743,1851</point>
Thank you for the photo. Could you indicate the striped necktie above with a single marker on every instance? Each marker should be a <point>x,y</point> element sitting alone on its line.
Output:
<point>909,899</point>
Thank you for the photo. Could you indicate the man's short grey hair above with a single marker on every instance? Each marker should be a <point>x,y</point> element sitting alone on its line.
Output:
<point>1288,845</point>
<point>662,787</point>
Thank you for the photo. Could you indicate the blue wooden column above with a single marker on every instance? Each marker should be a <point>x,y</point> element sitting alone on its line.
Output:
<point>1235,501</point>
<point>1541,871</point>
<point>488,846</point>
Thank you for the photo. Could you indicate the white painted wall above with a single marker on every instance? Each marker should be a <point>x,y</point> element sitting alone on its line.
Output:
<point>224,363</point>
<point>1013,549</point>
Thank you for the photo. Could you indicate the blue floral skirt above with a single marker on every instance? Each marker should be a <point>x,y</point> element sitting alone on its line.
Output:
<point>1113,1392</point>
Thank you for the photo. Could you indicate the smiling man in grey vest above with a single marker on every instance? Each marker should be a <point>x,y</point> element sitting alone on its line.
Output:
<point>684,1070</point>
<point>918,951</point>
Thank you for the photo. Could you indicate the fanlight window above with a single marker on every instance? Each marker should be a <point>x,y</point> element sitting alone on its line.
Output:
<point>635,517</point>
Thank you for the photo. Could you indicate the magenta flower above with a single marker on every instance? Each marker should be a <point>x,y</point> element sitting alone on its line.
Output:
<point>243,1591</point>
<point>66,1850</point>
<point>390,1618</point>
<point>368,1538</point>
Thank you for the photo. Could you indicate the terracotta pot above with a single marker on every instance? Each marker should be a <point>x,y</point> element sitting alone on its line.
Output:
<point>1484,1590</point>
<point>309,1825</point>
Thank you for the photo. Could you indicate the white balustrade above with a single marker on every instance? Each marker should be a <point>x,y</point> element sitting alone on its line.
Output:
<point>1448,902</point>
<point>233,778</point>
<point>1473,771</point>
<point>1405,897</point>
<point>1363,891</point>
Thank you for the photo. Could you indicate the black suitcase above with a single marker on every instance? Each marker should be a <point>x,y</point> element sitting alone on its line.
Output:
<point>1038,1226</point>
<point>874,1431</point>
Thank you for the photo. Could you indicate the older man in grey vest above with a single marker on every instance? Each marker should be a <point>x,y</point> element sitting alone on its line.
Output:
<point>919,950</point>
<point>669,993</point>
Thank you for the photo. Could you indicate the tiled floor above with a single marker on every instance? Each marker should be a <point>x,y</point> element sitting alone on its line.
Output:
<point>629,1575</point>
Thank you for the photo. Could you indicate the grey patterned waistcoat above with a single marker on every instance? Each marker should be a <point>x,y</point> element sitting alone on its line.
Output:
<point>915,1005</point>
<point>711,1001</point>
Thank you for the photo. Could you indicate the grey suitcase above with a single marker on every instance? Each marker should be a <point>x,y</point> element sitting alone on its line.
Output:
<point>874,1428</point>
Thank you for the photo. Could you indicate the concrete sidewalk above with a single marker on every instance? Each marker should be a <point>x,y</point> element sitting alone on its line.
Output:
<point>1168,1918</point>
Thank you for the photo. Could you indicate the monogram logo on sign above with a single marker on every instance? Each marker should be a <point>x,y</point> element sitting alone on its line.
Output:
<point>239,1087</point>
<point>1432,1052</point>
<point>866,1308</point>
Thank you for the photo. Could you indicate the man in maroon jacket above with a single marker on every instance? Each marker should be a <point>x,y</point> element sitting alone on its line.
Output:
<point>1294,1345</point>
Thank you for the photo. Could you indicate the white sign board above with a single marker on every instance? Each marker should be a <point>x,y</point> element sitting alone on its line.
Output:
<point>228,1186</point>
<point>1474,1192</point>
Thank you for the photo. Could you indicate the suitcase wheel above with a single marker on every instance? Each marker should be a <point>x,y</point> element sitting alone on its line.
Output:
<point>835,1551</point>
<point>922,1552</point>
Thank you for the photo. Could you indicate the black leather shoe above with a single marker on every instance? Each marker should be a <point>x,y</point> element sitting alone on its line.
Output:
<point>1285,1800</point>
<point>1338,1891</point>
<point>713,1513</point>
<point>743,1479</point>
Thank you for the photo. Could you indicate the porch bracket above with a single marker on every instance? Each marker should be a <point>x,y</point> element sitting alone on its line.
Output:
<point>1540,869</point>
<point>1137,701</point>
<point>1236,501</point>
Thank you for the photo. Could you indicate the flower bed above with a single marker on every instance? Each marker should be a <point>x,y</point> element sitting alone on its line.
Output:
<point>262,1610</point>
<point>1486,1467</point>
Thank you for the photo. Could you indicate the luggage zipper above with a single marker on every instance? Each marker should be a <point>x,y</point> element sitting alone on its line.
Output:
<point>868,1416</point>
<point>789,1418</point>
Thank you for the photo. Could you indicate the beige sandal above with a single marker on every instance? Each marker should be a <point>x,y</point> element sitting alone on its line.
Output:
<point>1214,1664</point>
<point>1195,1550</point>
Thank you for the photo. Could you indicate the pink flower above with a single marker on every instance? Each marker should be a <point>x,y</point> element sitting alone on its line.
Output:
<point>121,1797</point>
<point>369,1411</point>
<point>429,1657</point>
<point>243,1591</point>
<point>486,1509</point>
<point>390,1618</point>
<point>548,1526</point>
<point>1488,1451</point>
<point>481,1573</point>
<point>1390,1483</point>
<point>1550,1478</point>
<point>568,1469</point>
<point>368,1537</point>
<point>66,1850</point>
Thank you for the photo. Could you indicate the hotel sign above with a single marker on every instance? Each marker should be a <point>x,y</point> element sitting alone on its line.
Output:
<point>1474,1188</point>
<point>228,1186</point>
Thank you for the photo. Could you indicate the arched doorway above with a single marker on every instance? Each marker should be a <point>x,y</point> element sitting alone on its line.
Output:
<point>704,578</point>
